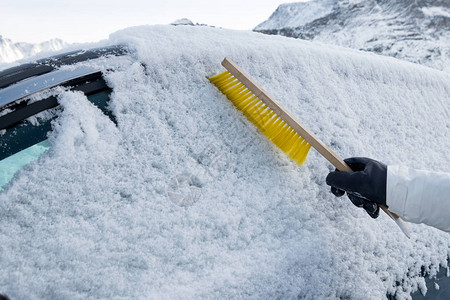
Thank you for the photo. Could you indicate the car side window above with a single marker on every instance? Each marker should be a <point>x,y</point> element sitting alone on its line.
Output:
<point>23,140</point>
<point>12,164</point>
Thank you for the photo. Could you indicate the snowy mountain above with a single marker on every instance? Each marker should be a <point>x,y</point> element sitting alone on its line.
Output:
<point>11,51</point>
<point>416,31</point>
<point>182,21</point>
<point>184,199</point>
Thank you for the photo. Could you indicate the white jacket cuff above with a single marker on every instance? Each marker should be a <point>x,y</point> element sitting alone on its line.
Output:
<point>419,196</point>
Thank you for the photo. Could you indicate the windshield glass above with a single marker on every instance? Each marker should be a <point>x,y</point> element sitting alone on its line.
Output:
<point>10,165</point>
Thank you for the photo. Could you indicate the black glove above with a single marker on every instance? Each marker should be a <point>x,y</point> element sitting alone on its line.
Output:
<point>365,186</point>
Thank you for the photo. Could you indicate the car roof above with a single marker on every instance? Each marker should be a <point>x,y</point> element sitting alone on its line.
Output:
<point>46,65</point>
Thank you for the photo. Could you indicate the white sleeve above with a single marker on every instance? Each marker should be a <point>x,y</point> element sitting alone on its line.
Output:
<point>419,196</point>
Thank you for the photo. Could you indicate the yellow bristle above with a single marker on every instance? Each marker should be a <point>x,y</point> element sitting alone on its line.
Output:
<point>244,99</point>
<point>227,84</point>
<point>223,81</point>
<point>269,123</point>
<point>246,102</point>
<point>288,141</point>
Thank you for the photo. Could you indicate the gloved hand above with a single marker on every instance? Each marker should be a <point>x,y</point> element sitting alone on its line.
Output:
<point>2,297</point>
<point>365,186</point>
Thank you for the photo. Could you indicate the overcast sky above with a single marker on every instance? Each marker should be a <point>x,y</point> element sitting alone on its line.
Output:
<point>93,20</point>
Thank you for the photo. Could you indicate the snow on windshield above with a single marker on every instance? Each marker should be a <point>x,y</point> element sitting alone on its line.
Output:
<point>185,199</point>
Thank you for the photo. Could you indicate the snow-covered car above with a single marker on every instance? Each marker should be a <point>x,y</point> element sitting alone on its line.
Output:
<point>153,185</point>
<point>23,133</point>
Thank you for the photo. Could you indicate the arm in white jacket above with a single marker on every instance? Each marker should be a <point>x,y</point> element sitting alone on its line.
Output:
<point>419,196</point>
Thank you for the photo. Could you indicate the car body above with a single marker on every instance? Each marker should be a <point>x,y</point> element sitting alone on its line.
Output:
<point>22,140</point>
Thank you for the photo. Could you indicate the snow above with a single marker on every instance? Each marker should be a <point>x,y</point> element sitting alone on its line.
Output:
<point>416,31</point>
<point>436,11</point>
<point>287,15</point>
<point>102,215</point>
<point>11,51</point>
<point>183,21</point>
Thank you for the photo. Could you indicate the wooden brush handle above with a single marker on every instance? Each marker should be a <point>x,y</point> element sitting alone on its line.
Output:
<point>304,132</point>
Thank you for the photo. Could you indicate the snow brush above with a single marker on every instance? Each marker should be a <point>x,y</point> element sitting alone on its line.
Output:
<point>276,123</point>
